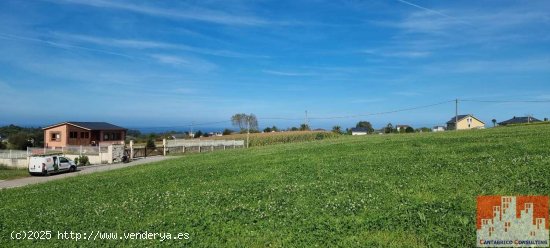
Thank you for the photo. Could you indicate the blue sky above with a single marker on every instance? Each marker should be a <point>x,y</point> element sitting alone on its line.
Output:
<point>169,63</point>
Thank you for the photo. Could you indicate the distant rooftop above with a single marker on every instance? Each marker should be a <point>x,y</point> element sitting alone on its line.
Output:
<point>359,129</point>
<point>518,120</point>
<point>89,125</point>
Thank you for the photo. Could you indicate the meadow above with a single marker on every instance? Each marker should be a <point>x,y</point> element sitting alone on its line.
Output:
<point>264,139</point>
<point>405,190</point>
<point>12,173</point>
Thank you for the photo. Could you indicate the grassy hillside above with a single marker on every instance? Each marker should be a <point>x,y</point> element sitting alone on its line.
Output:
<point>263,139</point>
<point>414,190</point>
<point>11,173</point>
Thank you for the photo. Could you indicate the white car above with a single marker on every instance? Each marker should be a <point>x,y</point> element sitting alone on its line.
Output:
<point>46,164</point>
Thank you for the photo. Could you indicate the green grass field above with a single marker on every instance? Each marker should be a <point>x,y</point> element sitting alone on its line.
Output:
<point>413,190</point>
<point>12,173</point>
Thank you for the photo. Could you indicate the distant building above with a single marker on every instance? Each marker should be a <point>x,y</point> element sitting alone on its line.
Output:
<point>465,122</point>
<point>359,131</point>
<point>519,120</point>
<point>438,129</point>
<point>83,133</point>
<point>401,128</point>
<point>215,134</point>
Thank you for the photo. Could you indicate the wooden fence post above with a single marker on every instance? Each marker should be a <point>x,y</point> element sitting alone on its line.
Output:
<point>164,147</point>
<point>131,149</point>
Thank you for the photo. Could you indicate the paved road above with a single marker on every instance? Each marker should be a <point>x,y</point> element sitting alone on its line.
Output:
<point>81,171</point>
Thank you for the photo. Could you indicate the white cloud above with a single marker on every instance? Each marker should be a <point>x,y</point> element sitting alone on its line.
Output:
<point>192,63</point>
<point>191,13</point>
<point>148,44</point>
<point>287,73</point>
<point>388,52</point>
<point>491,66</point>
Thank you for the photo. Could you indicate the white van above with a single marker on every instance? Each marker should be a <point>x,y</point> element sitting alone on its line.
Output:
<point>46,164</point>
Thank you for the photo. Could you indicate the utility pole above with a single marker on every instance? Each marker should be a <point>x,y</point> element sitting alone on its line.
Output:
<point>247,130</point>
<point>191,133</point>
<point>456,114</point>
<point>306,120</point>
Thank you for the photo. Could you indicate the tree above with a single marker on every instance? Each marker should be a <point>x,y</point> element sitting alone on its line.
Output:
<point>424,130</point>
<point>20,141</point>
<point>133,133</point>
<point>2,145</point>
<point>365,124</point>
<point>267,130</point>
<point>494,122</point>
<point>274,129</point>
<point>151,144</point>
<point>198,134</point>
<point>304,127</point>
<point>388,128</point>
<point>337,129</point>
<point>294,129</point>
<point>409,130</point>
<point>227,132</point>
<point>245,122</point>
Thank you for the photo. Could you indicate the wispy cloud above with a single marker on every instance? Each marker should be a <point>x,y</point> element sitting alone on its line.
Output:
<point>492,66</point>
<point>148,44</point>
<point>194,13</point>
<point>61,45</point>
<point>407,93</point>
<point>387,52</point>
<point>433,11</point>
<point>187,62</point>
<point>288,73</point>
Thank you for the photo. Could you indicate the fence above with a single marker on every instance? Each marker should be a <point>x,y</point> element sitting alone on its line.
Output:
<point>13,154</point>
<point>109,154</point>
<point>69,150</point>
<point>184,146</point>
<point>205,143</point>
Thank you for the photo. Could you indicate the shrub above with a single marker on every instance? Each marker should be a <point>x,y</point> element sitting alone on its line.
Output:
<point>151,144</point>
<point>82,160</point>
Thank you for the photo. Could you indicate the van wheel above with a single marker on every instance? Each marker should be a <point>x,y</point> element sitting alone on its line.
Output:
<point>72,169</point>
<point>45,173</point>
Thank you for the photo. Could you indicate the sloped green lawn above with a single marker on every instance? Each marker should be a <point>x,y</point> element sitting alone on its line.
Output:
<point>12,173</point>
<point>416,190</point>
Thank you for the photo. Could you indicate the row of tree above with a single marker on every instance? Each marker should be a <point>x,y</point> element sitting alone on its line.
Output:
<point>19,138</point>
<point>249,123</point>
<point>387,129</point>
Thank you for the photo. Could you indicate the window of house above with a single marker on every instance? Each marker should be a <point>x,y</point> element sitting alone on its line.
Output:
<point>87,135</point>
<point>55,136</point>
<point>73,135</point>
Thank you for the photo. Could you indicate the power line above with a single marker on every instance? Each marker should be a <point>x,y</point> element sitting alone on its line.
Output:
<point>193,124</point>
<point>505,101</point>
<point>381,113</point>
